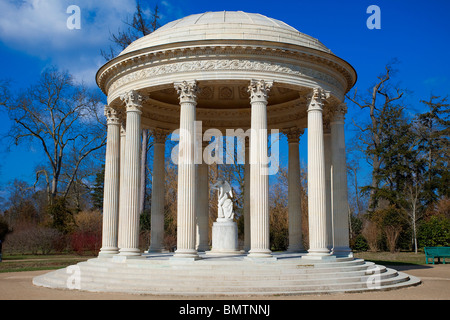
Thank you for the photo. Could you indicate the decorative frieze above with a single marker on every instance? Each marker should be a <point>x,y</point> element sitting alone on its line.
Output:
<point>219,65</point>
<point>158,59</point>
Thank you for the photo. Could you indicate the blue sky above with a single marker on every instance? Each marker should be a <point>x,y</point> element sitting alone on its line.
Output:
<point>34,35</point>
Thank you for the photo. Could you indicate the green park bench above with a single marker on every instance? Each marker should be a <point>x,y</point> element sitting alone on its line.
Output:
<point>437,252</point>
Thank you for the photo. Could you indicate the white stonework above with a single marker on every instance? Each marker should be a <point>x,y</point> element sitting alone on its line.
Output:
<point>224,237</point>
<point>131,175</point>
<point>229,70</point>
<point>202,205</point>
<point>158,182</point>
<point>259,179</point>
<point>186,219</point>
<point>294,196</point>
<point>111,185</point>
<point>316,176</point>
<point>339,173</point>
<point>224,230</point>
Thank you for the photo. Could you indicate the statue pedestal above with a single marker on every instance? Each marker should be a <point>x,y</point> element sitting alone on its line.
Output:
<point>224,237</point>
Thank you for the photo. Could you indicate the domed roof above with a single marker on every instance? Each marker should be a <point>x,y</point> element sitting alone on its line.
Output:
<point>226,25</point>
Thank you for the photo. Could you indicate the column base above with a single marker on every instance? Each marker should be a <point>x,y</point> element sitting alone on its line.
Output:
<point>129,252</point>
<point>185,255</point>
<point>203,248</point>
<point>343,252</point>
<point>319,254</point>
<point>260,257</point>
<point>156,249</point>
<point>260,254</point>
<point>108,252</point>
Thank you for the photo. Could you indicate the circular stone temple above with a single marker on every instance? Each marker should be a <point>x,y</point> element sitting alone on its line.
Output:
<point>238,74</point>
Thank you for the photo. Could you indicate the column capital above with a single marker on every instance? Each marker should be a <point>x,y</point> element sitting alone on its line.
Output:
<point>259,90</point>
<point>133,100</point>
<point>338,113</point>
<point>326,126</point>
<point>159,135</point>
<point>112,115</point>
<point>293,134</point>
<point>316,99</point>
<point>187,91</point>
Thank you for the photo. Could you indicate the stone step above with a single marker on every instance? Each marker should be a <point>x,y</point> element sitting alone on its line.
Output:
<point>221,277</point>
<point>233,270</point>
<point>229,276</point>
<point>258,288</point>
<point>207,282</point>
<point>140,279</point>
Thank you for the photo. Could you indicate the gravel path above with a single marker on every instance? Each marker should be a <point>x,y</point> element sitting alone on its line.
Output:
<point>435,286</point>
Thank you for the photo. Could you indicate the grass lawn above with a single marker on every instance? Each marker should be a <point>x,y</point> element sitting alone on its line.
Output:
<point>16,263</point>
<point>393,259</point>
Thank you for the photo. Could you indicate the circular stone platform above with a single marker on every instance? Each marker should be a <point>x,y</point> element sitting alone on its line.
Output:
<point>285,274</point>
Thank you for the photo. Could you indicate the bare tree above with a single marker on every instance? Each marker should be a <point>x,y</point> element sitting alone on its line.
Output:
<point>140,25</point>
<point>371,133</point>
<point>57,114</point>
<point>143,23</point>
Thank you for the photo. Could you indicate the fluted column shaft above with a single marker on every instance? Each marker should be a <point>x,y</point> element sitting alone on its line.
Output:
<point>259,179</point>
<point>158,181</point>
<point>316,177</point>
<point>329,204</point>
<point>123,137</point>
<point>247,230</point>
<point>111,184</point>
<point>202,204</point>
<point>186,216</point>
<point>131,176</point>
<point>339,173</point>
<point>294,195</point>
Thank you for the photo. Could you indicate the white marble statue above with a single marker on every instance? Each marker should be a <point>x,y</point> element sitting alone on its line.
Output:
<point>225,204</point>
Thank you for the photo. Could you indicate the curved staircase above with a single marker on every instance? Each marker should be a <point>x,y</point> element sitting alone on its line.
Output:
<point>289,274</point>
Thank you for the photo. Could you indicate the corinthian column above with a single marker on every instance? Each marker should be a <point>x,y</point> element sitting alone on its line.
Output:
<point>247,197</point>
<point>203,204</point>
<point>294,195</point>
<point>158,180</point>
<point>259,179</point>
<point>123,138</point>
<point>111,185</point>
<point>186,224</point>
<point>131,175</point>
<point>339,173</point>
<point>317,214</point>
<point>329,204</point>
